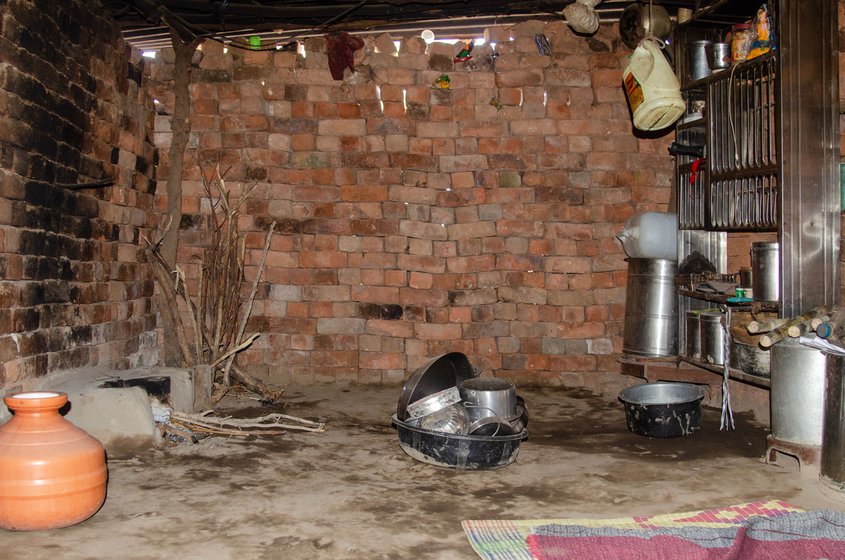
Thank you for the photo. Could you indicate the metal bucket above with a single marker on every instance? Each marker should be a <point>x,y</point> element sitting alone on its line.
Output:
<point>651,309</point>
<point>765,270</point>
<point>832,470</point>
<point>797,393</point>
<point>693,335</point>
<point>712,338</point>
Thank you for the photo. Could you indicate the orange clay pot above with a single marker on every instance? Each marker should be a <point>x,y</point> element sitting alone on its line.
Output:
<point>52,474</point>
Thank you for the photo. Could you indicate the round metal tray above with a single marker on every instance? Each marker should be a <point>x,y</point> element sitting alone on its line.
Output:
<point>440,373</point>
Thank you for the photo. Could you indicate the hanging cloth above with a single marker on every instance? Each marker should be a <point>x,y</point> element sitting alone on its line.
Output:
<point>342,47</point>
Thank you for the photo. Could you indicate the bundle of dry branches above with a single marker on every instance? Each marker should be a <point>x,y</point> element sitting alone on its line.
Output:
<point>269,424</point>
<point>217,315</point>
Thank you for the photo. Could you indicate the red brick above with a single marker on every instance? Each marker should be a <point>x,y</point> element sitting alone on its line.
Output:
<point>380,360</point>
<point>398,329</point>
<point>357,193</point>
<point>375,294</point>
<point>426,331</point>
<point>420,280</point>
<point>460,314</point>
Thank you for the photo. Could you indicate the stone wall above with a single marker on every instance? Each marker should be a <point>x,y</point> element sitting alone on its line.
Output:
<point>412,220</point>
<point>74,288</point>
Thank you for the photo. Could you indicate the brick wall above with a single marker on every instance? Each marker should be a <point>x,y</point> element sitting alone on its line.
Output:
<point>74,289</point>
<point>414,221</point>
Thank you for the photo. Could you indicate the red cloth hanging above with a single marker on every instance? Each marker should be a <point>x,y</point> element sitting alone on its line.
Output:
<point>342,47</point>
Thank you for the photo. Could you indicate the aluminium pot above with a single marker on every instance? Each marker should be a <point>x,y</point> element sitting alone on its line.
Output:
<point>492,396</point>
<point>663,409</point>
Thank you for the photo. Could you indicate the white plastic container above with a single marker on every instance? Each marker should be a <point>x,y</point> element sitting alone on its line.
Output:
<point>653,91</point>
<point>651,235</point>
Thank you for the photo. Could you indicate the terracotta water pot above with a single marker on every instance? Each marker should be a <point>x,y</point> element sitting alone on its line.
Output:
<point>52,474</point>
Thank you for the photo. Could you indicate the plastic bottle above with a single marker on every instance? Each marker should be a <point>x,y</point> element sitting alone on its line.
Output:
<point>651,235</point>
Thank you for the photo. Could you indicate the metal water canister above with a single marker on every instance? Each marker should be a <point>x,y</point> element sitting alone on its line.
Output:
<point>698,67</point>
<point>765,270</point>
<point>693,336</point>
<point>651,309</point>
<point>712,337</point>
<point>797,393</point>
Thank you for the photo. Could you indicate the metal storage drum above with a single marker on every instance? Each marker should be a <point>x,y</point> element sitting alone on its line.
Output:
<point>797,393</point>
<point>832,470</point>
<point>693,336</point>
<point>765,267</point>
<point>651,325</point>
<point>712,337</point>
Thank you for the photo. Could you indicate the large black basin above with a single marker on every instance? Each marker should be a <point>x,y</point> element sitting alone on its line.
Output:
<point>663,410</point>
<point>456,451</point>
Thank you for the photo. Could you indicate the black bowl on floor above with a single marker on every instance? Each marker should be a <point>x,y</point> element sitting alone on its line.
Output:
<point>663,409</point>
<point>457,451</point>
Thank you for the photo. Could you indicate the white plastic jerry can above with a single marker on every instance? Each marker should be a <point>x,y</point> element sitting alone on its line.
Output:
<point>653,91</point>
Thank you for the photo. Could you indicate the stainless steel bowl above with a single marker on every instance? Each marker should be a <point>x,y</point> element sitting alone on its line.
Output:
<point>452,419</point>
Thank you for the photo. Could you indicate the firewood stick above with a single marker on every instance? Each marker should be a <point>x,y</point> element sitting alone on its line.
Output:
<point>778,334</point>
<point>797,330</point>
<point>251,298</point>
<point>255,385</point>
<point>266,421</point>
<point>758,327</point>
<point>836,321</point>
<point>225,431</point>
<point>231,353</point>
<point>816,321</point>
<point>162,276</point>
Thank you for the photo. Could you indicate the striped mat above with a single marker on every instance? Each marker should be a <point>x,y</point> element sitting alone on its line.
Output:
<point>506,539</point>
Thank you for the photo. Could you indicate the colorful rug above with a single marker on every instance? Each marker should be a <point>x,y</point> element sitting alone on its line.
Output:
<point>565,538</point>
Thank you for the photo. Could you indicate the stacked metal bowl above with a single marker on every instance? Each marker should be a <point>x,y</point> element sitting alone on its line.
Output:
<point>450,417</point>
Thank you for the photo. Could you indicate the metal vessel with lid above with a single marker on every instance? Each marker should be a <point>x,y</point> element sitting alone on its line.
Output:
<point>765,270</point>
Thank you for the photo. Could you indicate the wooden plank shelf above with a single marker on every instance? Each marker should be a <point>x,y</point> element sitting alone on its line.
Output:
<point>736,374</point>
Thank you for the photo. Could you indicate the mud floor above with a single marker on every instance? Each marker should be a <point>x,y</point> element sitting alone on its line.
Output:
<point>352,493</point>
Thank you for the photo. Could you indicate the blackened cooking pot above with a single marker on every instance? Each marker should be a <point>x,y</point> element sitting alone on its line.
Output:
<point>663,409</point>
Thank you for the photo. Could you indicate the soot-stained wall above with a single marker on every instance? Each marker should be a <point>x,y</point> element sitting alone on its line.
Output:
<point>75,290</point>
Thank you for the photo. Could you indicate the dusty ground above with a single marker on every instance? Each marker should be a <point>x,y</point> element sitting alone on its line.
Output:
<point>352,493</point>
